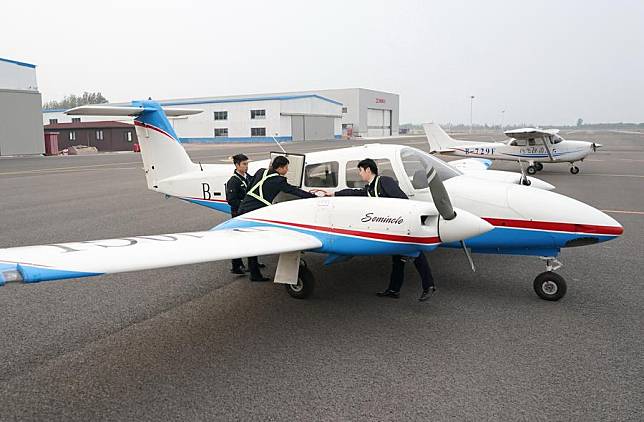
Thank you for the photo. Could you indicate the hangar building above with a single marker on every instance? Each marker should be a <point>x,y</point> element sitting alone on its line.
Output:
<point>292,116</point>
<point>21,130</point>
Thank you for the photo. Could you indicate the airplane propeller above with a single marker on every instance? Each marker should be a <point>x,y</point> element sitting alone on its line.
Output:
<point>444,206</point>
<point>596,145</point>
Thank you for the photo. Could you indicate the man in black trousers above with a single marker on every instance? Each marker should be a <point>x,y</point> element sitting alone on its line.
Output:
<point>387,187</point>
<point>236,189</point>
<point>267,183</point>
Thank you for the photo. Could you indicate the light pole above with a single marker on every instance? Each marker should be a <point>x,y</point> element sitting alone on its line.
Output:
<point>502,119</point>
<point>471,107</point>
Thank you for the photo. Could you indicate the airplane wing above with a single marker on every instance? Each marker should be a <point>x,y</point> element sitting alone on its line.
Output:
<point>530,132</point>
<point>468,165</point>
<point>89,258</point>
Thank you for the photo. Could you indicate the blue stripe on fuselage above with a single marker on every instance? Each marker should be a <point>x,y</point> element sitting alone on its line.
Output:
<point>513,241</point>
<point>340,244</point>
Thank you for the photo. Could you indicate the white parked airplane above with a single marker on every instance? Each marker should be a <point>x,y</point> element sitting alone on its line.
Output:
<point>534,146</point>
<point>493,210</point>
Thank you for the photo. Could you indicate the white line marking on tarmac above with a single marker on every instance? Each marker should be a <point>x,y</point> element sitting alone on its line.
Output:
<point>54,169</point>
<point>612,175</point>
<point>624,212</point>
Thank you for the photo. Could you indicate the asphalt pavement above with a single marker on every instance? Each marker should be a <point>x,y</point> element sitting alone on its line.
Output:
<point>197,343</point>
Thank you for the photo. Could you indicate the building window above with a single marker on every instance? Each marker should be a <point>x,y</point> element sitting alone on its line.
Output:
<point>344,109</point>
<point>257,114</point>
<point>323,175</point>
<point>354,180</point>
<point>75,119</point>
<point>99,135</point>
<point>221,115</point>
<point>72,135</point>
<point>53,121</point>
<point>258,131</point>
<point>223,131</point>
<point>128,136</point>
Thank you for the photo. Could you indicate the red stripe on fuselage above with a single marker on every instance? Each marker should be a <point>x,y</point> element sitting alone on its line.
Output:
<point>375,236</point>
<point>557,227</point>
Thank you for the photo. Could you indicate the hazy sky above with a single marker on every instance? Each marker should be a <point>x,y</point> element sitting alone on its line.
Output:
<point>544,62</point>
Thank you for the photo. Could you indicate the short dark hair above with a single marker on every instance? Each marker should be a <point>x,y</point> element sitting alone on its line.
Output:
<point>239,158</point>
<point>279,161</point>
<point>368,163</point>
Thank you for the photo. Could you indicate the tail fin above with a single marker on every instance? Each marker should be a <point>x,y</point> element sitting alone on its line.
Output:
<point>162,154</point>
<point>438,139</point>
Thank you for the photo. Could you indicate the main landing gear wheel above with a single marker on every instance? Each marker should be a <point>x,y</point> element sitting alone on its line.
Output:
<point>574,169</point>
<point>550,286</point>
<point>531,170</point>
<point>538,166</point>
<point>305,284</point>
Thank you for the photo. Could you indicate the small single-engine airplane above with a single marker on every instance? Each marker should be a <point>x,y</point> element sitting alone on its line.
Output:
<point>495,213</point>
<point>535,146</point>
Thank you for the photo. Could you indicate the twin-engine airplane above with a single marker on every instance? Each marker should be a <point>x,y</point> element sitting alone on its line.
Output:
<point>493,211</point>
<point>536,146</point>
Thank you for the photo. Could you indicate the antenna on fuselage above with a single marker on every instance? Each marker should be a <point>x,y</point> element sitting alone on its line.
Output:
<point>278,144</point>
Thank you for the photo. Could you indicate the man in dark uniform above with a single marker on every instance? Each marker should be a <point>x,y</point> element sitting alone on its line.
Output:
<point>265,187</point>
<point>236,189</point>
<point>387,187</point>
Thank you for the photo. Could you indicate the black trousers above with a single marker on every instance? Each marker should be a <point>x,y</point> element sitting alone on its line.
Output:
<point>398,272</point>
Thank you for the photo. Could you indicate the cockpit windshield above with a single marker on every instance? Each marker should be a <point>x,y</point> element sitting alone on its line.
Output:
<point>417,163</point>
<point>555,139</point>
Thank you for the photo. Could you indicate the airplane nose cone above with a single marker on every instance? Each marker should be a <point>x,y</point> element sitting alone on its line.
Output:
<point>573,222</point>
<point>464,226</point>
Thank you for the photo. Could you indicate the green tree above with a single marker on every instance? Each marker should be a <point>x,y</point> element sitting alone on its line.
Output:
<point>71,101</point>
<point>580,122</point>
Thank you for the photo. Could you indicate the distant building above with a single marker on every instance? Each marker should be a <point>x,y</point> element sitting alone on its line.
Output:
<point>292,116</point>
<point>105,136</point>
<point>20,109</point>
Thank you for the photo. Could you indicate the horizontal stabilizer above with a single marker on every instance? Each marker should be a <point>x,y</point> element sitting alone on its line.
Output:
<point>104,110</point>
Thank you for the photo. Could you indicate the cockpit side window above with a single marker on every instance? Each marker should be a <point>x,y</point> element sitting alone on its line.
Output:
<point>322,175</point>
<point>417,164</point>
<point>354,180</point>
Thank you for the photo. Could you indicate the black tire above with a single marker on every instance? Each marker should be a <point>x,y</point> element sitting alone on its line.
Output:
<point>574,169</point>
<point>305,284</point>
<point>538,166</point>
<point>550,286</point>
<point>531,170</point>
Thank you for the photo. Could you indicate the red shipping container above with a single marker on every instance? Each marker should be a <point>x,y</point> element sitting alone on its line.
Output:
<point>51,143</point>
<point>136,148</point>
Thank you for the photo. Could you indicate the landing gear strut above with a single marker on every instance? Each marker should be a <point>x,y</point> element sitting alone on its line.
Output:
<point>305,283</point>
<point>549,285</point>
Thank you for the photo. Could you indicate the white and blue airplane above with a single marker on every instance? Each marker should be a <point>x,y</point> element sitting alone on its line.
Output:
<point>493,211</point>
<point>534,146</point>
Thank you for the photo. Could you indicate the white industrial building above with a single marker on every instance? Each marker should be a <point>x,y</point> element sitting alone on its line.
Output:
<point>21,131</point>
<point>297,116</point>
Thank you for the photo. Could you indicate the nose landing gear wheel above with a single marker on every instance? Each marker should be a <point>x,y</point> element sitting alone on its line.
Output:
<point>550,286</point>
<point>538,166</point>
<point>531,170</point>
<point>574,169</point>
<point>305,284</point>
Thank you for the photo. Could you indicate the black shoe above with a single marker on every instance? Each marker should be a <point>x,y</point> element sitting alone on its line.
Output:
<point>426,294</point>
<point>388,293</point>
<point>260,278</point>
<point>240,270</point>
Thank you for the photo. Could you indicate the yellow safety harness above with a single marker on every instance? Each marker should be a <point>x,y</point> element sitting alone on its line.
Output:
<point>259,186</point>
<point>375,188</point>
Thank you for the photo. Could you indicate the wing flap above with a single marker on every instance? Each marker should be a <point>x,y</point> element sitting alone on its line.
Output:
<point>96,257</point>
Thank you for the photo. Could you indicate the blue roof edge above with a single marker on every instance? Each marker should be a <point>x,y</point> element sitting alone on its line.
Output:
<point>33,66</point>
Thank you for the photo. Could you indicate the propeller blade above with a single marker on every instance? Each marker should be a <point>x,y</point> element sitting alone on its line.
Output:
<point>439,195</point>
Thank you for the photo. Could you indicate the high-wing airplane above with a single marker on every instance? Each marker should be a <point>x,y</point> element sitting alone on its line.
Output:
<point>534,146</point>
<point>493,211</point>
